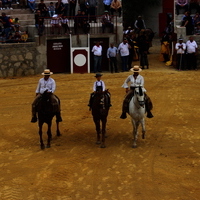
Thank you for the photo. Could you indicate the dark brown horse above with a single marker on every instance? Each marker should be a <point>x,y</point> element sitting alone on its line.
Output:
<point>100,108</point>
<point>45,112</point>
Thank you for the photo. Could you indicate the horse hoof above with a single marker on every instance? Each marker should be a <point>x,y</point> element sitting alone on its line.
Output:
<point>98,142</point>
<point>103,146</point>
<point>48,145</point>
<point>134,146</point>
<point>42,147</point>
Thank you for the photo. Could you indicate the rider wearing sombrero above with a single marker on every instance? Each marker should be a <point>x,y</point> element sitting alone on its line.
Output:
<point>136,80</point>
<point>46,84</point>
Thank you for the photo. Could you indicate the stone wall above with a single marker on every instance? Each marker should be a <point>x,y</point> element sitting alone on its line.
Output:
<point>18,59</point>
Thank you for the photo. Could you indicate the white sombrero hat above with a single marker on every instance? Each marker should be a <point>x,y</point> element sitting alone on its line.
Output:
<point>136,68</point>
<point>47,72</point>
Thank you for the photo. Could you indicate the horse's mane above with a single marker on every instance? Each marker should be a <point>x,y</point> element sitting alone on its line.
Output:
<point>140,91</point>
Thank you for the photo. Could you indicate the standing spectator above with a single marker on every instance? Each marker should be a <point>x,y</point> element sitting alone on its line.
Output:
<point>112,57</point>
<point>39,22</point>
<point>31,5</point>
<point>66,6</point>
<point>59,7</point>
<point>97,52</point>
<point>165,50</point>
<point>85,24</point>
<point>123,49</point>
<point>188,23</point>
<point>92,6</point>
<point>194,4</point>
<point>51,9</point>
<point>191,54</point>
<point>181,4</point>
<point>17,37</point>
<point>77,22</point>
<point>72,7</point>
<point>82,5</point>
<point>106,22</point>
<point>116,6</point>
<point>180,54</point>
<point>107,4</point>
<point>6,24</point>
<point>143,50</point>
<point>139,24</point>
<point>43,8</point>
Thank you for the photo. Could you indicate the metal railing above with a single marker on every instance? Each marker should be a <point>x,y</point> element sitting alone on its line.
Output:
<point>74,28</point>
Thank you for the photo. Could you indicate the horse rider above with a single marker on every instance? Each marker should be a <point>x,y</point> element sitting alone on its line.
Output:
<point>136,80</point>
<point>46,84</point>
<point>99,86</point>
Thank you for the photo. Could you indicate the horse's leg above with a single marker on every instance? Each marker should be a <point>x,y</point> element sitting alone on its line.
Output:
<point>57,129</point>
<point>40,134</point>
<point>49,135</point>
<point>103,133</point>
<point>98,130</point>
<point>135,133</point>
<point>143,128</point>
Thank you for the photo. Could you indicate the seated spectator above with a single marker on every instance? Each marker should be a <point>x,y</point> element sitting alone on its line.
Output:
<point>196,19</point>
<point>116,6</point>
<point>23,4</point>
<point>51,9</point>
<point>107,4</point>
<point>181,4</point>
<point>24,36</point>
<point>43,8</point>
<point>17,37</point>
<point>5,2</point>
<point>1,5</point>
<point>39,22</point>
<point>194,4</point>
<point>31,5</point>
<point>197,30</point>
<point>5,20</point>
<point>128,32</point>
<point>16,24</point>
<point>55,24</point>
<point>106,22</point>
<point>64,24</point>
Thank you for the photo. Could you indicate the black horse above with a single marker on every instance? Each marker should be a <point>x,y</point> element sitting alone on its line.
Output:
<point>45,112</point>
<point>100,108</point>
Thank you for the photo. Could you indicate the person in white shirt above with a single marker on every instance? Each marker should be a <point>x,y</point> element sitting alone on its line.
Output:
<point>97,52</point>
<point>123,49</point>
<point>180,54</point>
<point>191,54</point>
<point>46,84</point>
<point>135,80</point>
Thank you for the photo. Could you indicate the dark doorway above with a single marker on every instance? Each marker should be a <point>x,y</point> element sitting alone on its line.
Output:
<point>58,55</point>
<point>104,42</point>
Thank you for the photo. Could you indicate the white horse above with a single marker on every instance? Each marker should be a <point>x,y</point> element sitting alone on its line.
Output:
<point>137,112</point>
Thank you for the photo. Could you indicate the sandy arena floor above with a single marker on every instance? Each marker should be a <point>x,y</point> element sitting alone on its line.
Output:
<point>165,166</point>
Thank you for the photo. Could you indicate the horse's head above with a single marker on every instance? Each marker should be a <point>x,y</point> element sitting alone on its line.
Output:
<point>139,94</point>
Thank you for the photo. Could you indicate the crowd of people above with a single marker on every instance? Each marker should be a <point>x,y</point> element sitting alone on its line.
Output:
<point>191,22</point>
<point>134,47</point>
